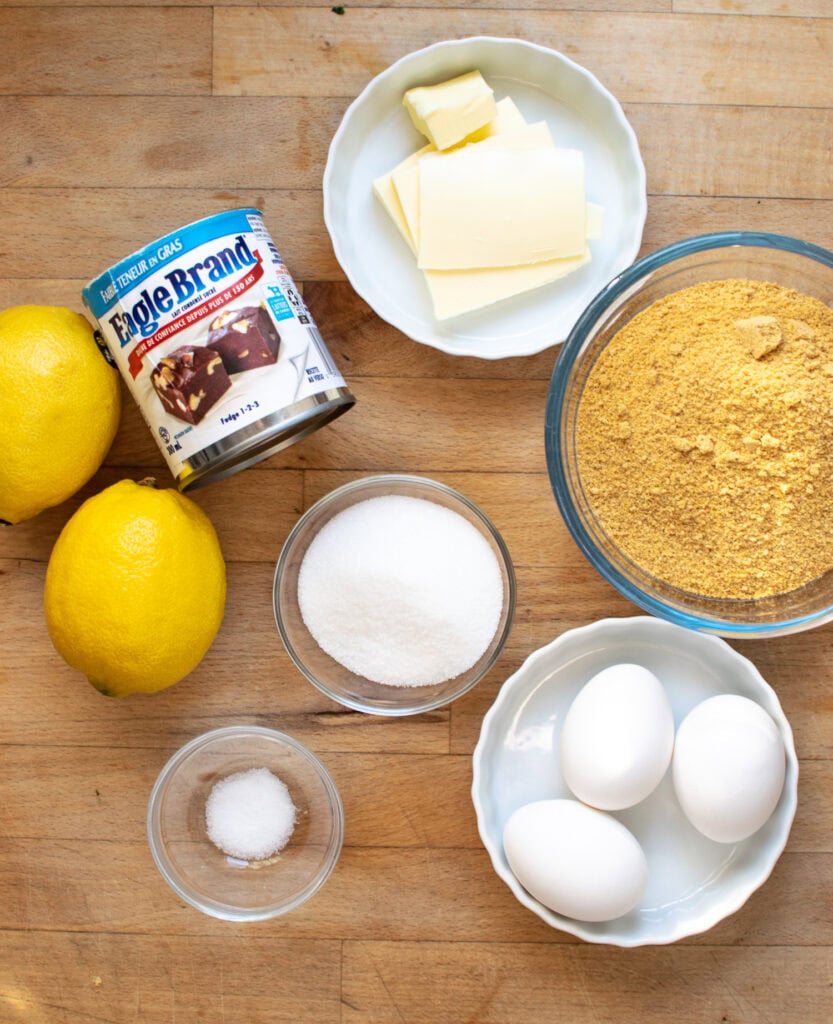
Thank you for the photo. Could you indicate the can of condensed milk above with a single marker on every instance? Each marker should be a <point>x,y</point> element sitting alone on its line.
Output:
<point>217,346</point>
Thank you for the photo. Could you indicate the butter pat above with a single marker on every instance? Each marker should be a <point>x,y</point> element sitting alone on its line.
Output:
<point>449,112</point>
<point>507,119</point>
<point>485,206</point>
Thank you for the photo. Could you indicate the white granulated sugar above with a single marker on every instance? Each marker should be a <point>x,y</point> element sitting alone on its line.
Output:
<point>250,815</point>
<point>401,590</point>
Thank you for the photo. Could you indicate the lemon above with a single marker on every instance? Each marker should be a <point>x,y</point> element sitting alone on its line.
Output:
<point>135,588</point>
<point>59,408</point>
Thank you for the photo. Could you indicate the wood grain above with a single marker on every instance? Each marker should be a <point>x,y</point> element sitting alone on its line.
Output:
<point>268,51</point>
<point>86,61</point>
<point>775,8</point>
<point>501,984</point>
<point>115,977</point>
<point>802,6</point>
<point>123,122</point>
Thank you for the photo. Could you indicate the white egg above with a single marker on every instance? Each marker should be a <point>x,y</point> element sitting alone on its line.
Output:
<point>729,767</point>
<point>617,738</point>
<point>575,860</point>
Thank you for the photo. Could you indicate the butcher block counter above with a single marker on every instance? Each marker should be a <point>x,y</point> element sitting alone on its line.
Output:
<point>121,123</point>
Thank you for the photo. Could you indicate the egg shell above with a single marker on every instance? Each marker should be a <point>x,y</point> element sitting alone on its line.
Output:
<point>577,861</point>
<point>617,738</point>
<point>728,768</point>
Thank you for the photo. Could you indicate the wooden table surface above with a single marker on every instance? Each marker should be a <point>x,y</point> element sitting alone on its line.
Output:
<point>120,123</point>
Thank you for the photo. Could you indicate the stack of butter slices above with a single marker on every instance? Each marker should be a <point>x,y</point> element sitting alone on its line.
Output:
<point>490,207</point>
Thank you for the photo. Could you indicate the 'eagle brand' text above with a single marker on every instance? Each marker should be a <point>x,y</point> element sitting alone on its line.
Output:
<point>144,316</point>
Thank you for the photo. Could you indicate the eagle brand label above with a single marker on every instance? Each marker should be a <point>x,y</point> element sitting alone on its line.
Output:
<point>217,346</point>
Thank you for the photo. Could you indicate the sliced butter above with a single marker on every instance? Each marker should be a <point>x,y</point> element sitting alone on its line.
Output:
<point>454,292</point>
<point>446,113</point>
<point>406,177</point>
<point>387,195</point>
<point>507,118</point>
<point>490,206</point>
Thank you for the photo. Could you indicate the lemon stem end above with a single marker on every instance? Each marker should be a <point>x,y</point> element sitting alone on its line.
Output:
<point>102,688</point>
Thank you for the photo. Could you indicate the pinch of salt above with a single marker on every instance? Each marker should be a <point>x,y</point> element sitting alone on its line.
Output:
<point>250,815</point>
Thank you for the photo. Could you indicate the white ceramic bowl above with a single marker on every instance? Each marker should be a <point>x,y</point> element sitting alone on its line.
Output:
<point>376,133</point>
<point>693,882</point>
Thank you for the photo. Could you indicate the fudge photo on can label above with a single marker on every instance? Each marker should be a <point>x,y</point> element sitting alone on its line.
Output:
<point>244,338</point>
<point>189,381</point>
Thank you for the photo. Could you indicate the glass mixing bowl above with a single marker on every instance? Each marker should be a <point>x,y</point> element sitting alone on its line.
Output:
<point>334,679</point>
<point>737,254</point>
<point>223,886</point>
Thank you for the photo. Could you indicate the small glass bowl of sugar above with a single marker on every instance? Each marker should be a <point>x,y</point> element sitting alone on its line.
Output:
<point>394,594</point>
<point>245,823</point>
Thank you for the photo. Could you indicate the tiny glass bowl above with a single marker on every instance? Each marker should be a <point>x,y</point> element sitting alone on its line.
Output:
<point>331,677</point>
<point>738,254</point>
<point>223,886</point>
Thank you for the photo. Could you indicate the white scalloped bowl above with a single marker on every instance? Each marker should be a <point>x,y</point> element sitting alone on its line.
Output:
<point>376,133</point>
<point>693,883</point>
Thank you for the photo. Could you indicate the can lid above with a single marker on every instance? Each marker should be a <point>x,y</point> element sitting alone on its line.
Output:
<point>102,293</point>
<point>275,432</point>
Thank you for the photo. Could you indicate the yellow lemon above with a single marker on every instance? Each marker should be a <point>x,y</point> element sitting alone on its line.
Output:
<point>59,408</point>
<point>135,588</point>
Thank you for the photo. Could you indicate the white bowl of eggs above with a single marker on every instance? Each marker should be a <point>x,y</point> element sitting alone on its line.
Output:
<point>635,782</point>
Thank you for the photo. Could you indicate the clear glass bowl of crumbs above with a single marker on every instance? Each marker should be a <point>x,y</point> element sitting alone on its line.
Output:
<point>222,786</point>
<point>394,595</point>
<point>688,438</point>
